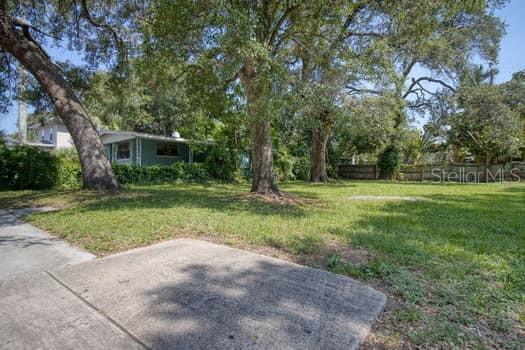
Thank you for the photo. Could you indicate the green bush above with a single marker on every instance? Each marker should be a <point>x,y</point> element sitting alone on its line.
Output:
<point>301,168</point>
<point>196,172</point>
<point>283,165</point>
<point>155,174</point>
<point>221,163</point>
<point>389,161</point>
<point>26,167</point>
<point>69,171</point>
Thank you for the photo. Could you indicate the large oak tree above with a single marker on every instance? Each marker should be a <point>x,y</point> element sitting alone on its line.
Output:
<point>24,28</point>
<point>257,45</point>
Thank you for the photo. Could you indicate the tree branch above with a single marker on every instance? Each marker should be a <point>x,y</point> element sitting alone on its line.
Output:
<point>280,22</point>
<point>118,40</point>
<point>18,22</point>
<point>360,34</point>
<point>349,19</point>
<point>408,69</point>
<point>419,105</point>
<point>432,80</point>
<point>25,26</point>
<point>354,89</point>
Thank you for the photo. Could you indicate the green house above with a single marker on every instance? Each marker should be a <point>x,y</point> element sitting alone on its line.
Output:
<point>126,147</point>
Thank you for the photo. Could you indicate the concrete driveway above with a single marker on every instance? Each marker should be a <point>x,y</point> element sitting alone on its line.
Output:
<point>185,294</point>
<point>26,249</point>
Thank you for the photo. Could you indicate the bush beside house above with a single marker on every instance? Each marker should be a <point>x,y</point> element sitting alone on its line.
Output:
<point>25,167</point>
<point>155,174</point>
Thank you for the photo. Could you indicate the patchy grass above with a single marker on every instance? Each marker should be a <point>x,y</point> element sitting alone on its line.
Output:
<point>453,264</point>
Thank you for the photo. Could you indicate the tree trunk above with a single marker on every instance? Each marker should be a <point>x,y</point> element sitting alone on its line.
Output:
<point>318,155</point>
<point>263,180</point>
<point>389,174</point>
<point>96,169</point>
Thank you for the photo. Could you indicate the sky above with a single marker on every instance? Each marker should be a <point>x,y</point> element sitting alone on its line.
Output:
<point>512,54</point>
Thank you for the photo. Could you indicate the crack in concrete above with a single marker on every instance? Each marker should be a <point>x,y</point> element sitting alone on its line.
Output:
<point>96,309</point>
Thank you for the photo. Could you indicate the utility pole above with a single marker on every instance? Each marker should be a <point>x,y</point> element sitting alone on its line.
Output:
<point>22,112</point>
<point>491,74</point>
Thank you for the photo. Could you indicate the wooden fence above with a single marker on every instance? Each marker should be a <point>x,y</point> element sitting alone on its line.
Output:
<point>443,172</point>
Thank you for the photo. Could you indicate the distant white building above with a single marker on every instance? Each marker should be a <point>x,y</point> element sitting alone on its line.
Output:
<point>51,135</point>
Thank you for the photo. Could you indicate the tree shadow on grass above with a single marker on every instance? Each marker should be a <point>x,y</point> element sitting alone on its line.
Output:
<point>216,199</point>
<point>58,198</point>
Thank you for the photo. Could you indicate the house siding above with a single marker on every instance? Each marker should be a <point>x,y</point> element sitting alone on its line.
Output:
<point>62,138</point>
<point>144,152</point>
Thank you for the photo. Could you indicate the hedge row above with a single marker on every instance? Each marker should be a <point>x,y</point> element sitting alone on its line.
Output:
<point>155,174</point>
<point>25,167</point>
<point>70,175</point>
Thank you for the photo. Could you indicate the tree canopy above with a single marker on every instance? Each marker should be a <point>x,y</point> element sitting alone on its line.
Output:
<point>293,82</point>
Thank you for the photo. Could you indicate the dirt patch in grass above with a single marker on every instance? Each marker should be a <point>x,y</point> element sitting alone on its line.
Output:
<point>390,198</point>
<point>285,199</point>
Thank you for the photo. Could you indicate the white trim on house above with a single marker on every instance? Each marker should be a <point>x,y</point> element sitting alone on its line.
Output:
<point>138,153</point>
<point>125,135</point>
<point>111,136</point>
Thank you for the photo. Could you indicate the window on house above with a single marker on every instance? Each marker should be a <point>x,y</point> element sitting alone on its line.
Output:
<point>123,150</point>
<point>168,149</point>
<point>51,136</point>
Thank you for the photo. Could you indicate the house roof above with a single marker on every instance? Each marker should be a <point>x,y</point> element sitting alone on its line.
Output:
<point>118,136</point>
<point>133,134</point>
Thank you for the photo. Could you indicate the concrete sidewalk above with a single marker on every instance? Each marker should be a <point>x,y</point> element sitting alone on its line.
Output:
<point>26,249</point>
<point>185,294</point>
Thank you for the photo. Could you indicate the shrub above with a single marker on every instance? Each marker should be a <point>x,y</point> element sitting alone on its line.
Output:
<point>26,167</point>
<point>155,174</point>
<point>220,163</point>
<point>389,161</point>
<point>283,165</point>
<point>301,168</point>
<point>196,172</point>
<point>69,171</point>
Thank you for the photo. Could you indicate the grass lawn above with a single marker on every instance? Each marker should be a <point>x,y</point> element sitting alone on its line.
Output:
<point>453,265</point>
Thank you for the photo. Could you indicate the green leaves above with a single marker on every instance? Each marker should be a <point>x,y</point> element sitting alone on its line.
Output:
<point>487,126</point>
